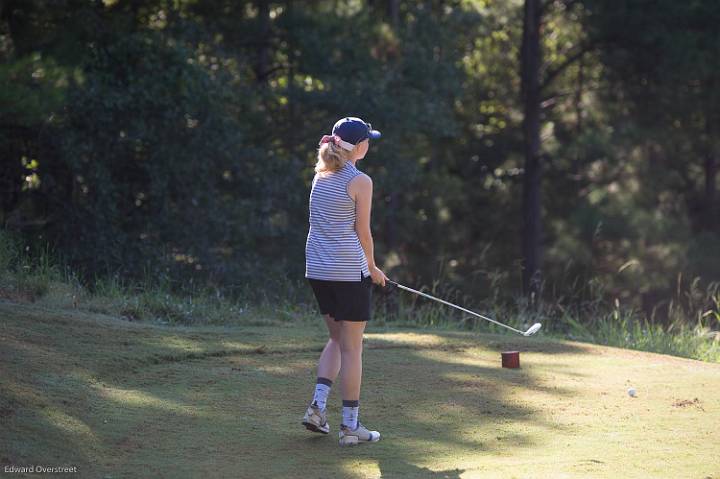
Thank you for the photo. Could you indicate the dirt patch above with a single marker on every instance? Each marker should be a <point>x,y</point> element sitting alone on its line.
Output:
<point>15,295</point>
<point>128,444</point>
<point>6,412</point>
<point>688,403</point>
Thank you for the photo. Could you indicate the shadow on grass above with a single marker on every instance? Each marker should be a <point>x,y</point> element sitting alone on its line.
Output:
<point>398,469</point>
<point>185,402</point>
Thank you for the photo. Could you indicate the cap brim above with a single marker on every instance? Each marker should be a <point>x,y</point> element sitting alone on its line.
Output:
<point>374,134</point>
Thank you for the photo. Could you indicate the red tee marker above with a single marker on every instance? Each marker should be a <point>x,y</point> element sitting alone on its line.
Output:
<point>511,359</point>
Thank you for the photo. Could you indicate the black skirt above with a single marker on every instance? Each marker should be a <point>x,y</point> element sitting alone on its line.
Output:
<point>344,300</point>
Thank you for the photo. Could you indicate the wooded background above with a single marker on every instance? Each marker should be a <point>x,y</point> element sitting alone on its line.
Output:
<point>556,149</point>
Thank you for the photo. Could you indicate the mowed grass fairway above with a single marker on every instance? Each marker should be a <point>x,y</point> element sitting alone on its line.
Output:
<point>123,399</point>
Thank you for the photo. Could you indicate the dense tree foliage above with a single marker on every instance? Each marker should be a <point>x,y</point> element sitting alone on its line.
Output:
<point>178,137</point>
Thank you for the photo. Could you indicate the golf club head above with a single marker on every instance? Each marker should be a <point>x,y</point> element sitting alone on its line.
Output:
<point>533,329</point>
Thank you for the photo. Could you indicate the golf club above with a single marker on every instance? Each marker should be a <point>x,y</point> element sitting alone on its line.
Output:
<point>531,330</point>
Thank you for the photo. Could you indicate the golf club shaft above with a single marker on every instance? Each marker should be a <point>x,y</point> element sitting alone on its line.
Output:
<point>454,306</point>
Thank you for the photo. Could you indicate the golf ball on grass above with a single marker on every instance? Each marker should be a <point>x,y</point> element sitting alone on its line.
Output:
<point>632,392</point>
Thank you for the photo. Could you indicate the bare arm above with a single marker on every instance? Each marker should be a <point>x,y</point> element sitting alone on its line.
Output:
<point>360,189</point>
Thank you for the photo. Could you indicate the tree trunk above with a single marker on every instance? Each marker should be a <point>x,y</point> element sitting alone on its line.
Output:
<point>261,62</point>
<point>5,30</point>
<point>711,203</point>
<point>387,8</point>
<point>711,218</point>
<point>394,13</point>
<point>578,115</point>
<point>578,95</point>
<point>392,309</point>
<point>530,84</point>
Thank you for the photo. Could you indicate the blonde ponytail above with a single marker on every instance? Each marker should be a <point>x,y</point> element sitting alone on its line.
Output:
<point>331,158</point>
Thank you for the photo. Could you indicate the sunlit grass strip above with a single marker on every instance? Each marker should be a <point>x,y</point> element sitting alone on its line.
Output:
<point>67,423</point>
<point>142,399</point>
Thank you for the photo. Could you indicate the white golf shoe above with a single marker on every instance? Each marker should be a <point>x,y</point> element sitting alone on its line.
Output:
<point>349,437</point>
<point>315,419</point>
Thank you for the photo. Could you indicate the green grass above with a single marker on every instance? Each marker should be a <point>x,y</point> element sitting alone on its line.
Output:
<point>120,398</point>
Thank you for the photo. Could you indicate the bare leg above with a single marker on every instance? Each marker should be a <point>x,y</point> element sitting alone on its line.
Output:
<point>329,364</point>
<point>351,359</point>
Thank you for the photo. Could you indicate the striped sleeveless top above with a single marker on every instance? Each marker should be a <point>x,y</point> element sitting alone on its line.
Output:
<point>333,251</point>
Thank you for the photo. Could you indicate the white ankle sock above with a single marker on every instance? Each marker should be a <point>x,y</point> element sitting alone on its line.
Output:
<point>350,413</point>
<point>321,394</point>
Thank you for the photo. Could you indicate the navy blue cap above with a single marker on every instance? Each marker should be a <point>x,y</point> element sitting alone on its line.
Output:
<point>353,130</point>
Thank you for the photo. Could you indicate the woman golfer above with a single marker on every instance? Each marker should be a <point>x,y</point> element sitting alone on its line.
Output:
<point>340,266</point>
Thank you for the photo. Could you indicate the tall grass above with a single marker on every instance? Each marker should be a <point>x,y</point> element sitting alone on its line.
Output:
<point>33,275</point>
<point>627,328</point>
<point>30,273</point>
<point>26,271</point>
<point>691,330</point>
